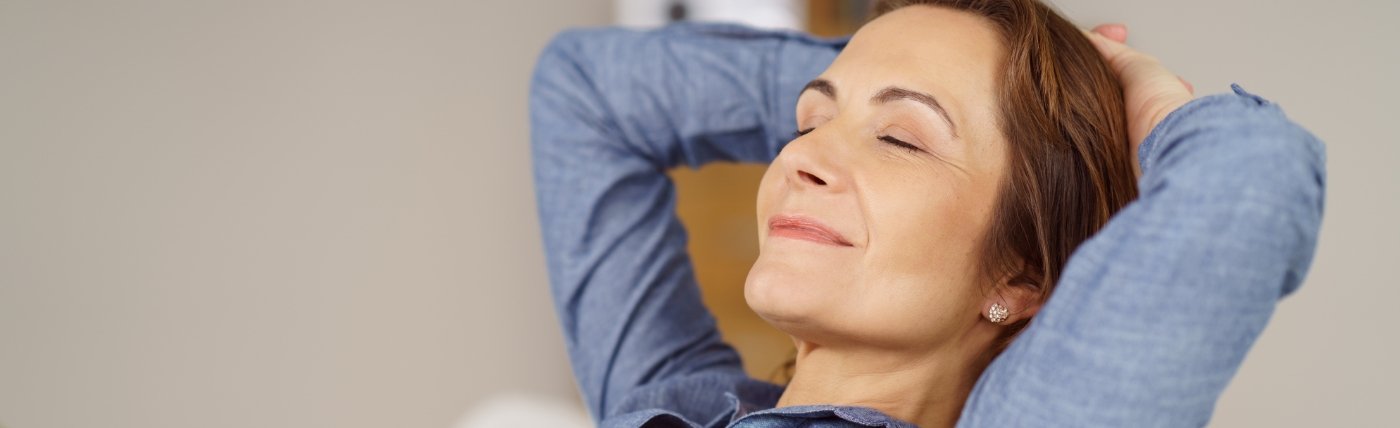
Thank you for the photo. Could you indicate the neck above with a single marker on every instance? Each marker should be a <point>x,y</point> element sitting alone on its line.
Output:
<point>925,388</point>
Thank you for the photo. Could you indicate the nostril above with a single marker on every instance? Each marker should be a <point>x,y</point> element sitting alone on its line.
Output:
<point>812,178</point>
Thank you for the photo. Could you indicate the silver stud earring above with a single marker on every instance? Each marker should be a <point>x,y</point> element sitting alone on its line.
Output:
<point>997,313</point>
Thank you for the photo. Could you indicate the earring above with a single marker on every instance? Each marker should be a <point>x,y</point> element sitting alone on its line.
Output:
<point>997,313</point>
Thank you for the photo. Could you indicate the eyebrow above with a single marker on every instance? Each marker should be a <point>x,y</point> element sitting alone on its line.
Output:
<point>889,94</point>
<point>821,85</point>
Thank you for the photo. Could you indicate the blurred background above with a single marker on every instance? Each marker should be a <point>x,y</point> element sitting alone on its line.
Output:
<point>320,214</point>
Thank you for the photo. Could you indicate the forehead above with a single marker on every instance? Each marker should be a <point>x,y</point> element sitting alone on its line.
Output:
<point>955,55</point>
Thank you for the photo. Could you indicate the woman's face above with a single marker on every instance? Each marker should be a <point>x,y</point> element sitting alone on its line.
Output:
<point>901,166</point>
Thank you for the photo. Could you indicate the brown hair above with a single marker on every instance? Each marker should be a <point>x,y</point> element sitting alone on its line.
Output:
<point>1069,168</point>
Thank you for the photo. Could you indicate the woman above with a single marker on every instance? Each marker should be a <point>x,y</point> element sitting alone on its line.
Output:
<point>946,165</point>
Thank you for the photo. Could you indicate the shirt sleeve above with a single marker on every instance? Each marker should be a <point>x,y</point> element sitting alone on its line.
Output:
<point>1155,313</point>
<point>610,111</point>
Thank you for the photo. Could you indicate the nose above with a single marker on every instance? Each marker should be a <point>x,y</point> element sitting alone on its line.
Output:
<point>810,163</point>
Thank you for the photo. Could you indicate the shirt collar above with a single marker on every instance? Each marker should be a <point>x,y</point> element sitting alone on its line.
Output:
<point>858,415</point>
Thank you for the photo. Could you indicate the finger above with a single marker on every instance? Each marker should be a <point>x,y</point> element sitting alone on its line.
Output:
<point>1189,87</point>
<point>1109,48</point>
<point>1115,32</point>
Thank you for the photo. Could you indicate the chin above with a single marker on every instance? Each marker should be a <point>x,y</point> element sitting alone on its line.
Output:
<point>790,299</point>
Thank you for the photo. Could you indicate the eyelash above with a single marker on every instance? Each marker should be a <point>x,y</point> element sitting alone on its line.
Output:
<point>888,139</point>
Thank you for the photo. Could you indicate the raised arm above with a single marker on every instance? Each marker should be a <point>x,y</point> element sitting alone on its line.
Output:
<point>610,111</point>
<point>1154,314</point>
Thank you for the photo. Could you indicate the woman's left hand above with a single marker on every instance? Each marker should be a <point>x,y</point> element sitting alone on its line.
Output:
<point>1150,91</point>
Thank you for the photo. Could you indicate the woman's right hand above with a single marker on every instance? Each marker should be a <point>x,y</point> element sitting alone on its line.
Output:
<point>1150,91</point>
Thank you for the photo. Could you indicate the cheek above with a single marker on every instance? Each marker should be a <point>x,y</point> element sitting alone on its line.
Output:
<point>921,271</point>
<point>924,230</point>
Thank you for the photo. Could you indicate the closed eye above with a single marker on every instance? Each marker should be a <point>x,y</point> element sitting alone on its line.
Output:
<point>899,143</point>
<point>888,139</point>
<point>799,133</point>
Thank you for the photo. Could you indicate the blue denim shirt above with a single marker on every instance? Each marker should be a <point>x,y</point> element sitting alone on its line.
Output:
<point>1150,320</point>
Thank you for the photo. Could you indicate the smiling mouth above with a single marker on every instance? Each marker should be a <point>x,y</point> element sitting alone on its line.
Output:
<point>805,229</point>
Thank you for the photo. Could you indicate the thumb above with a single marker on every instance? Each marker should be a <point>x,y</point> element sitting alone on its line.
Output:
<point>1115,32</point>
<point>1112,50</point>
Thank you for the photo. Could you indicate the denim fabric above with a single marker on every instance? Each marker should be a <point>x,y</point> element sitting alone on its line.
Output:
<point>1150,321</point>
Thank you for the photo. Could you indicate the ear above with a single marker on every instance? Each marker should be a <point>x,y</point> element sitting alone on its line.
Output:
<point>1020,294</point>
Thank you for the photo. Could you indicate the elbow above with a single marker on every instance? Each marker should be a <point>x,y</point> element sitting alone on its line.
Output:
<point>565,65</point>
<point>1288,190</point>
<point>1251,174</point>
<point>1295,161</point>
<point>560,91</point>
<point>1301,162</point>
<point>556,69</point>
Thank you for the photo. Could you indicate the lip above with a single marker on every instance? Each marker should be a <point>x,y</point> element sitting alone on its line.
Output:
<point>805,228</point>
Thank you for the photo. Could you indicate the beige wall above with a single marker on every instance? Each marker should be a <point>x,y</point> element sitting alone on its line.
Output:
<point>270,214</point>
<point>313,214</point>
